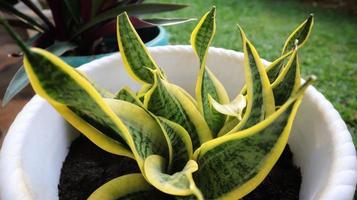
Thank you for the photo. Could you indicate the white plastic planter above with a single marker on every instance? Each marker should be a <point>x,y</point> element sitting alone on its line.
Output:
<point>38,140</point>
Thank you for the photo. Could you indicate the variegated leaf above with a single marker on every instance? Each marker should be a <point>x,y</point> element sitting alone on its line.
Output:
<point>136,58</point>
<point>126,94</point>
<point>146,136</point>
<point>207,83</point>
<point>234,108</point>
<point>165,100</point>
<point>233,165</point>
<point>70,93</point>
<point>260,98</point>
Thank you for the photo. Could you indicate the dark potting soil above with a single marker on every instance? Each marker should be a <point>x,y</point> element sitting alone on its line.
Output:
<point>87,167</point>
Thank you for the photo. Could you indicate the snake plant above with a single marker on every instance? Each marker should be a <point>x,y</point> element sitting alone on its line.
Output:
<point>206,147</point>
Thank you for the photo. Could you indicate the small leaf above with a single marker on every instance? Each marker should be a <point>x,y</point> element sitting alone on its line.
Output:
<point>207,83</point>
<point>130,186</point>
<point>234,108</point>
<point>180,183</point>
<point>233,165</point>
<point>126,94</point>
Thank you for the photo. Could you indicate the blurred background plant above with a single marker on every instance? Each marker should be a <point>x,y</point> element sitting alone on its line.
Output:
<point>80,27</point>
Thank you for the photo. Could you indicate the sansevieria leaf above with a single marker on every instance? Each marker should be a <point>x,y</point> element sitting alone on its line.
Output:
<point>179,144</point>
<point>233,165</point>
<point>207,83</point>
<point>288,81</point>
<point>70,93</point>
<point>179,184</point>
<point>126,94</point>
<point>178,140</point>
<point>260,98</point>
<point>130,186</point>
<point>146,137</point>
<point>300,34</point>
<point>167,101</point>
<point>136,58</point>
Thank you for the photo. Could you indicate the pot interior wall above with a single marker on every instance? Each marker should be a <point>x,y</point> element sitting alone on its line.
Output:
<point>309,142</point>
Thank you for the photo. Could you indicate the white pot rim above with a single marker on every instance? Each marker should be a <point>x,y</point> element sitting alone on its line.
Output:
<point>343,151</point>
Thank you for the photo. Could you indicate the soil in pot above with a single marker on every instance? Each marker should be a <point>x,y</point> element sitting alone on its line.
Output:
<point>87,167</point>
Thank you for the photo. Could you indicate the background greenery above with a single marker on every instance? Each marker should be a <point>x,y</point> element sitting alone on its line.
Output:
<point>330,54</point>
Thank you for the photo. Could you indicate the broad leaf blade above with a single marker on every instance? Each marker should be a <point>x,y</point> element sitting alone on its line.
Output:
<point>131,186</point>
<point>167,101</point>
<point>20,80</point>
<point>146,136</point>
<point>207,83</point>
<point>136,58</point>
<point>260,98</point>
<point>64,88</point>
<point>233,165</point>
<point>180,183</point>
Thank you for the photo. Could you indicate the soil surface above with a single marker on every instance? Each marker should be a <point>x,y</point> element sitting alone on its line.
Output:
<point>87,167</point>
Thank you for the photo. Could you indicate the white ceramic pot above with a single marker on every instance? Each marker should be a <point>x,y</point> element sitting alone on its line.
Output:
<point>38,140</point>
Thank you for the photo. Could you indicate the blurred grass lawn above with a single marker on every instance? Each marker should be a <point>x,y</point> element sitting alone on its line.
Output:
<point>330,54</point>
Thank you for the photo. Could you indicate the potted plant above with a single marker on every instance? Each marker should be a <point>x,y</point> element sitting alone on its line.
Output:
<point>179,150</point>
<point>81,31</point>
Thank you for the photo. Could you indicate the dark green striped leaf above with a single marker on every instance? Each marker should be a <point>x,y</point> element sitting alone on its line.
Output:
<point>207,83</point>
<point>126,94</point>
<point>179,143</point>
<point>146,136</point>
<point>233,165</point>
<point>288,81</point>
<point>136,58</point>
<point>165,100</point>
<point>260,98</point>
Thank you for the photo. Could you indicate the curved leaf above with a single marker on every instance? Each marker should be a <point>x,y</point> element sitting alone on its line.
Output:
<point>131,186</point>
<point>20,80</point>
<point>146,136</point>
<point>207,83</point>
<point>126,94</point>
<point>260,98</point>
<point>136,58</point>
<point>70,93</point>
<point>234,108</point>
<point>179,143</point>
<point>179,184</point>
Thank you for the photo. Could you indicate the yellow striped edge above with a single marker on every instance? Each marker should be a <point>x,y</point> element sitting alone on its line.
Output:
<point>122,53</point>
<point>182,134</point>
<point>139,117</point>
<point>296,30</point>
<point>282,74</point>
<point>172,184</point>
<point>101,140</point>
<point>120,187</point>
<point>268,96</point>
<point>204,132</point>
